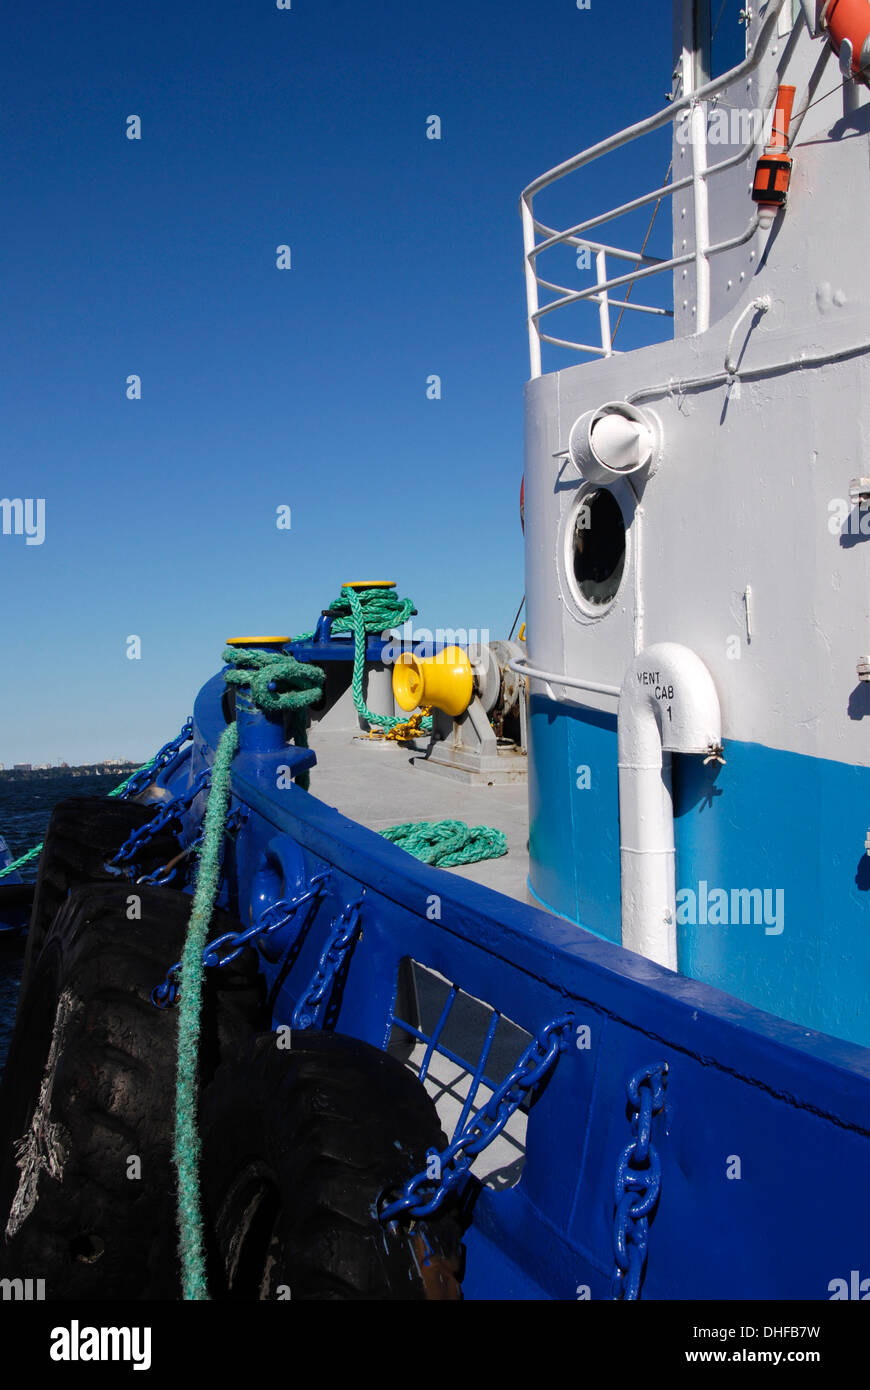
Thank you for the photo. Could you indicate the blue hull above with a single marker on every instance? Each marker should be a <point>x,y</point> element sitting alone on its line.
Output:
<point>762,1121</point>
<point>792,946</point>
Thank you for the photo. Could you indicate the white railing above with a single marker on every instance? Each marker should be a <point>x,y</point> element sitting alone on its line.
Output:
<point>643,266</point>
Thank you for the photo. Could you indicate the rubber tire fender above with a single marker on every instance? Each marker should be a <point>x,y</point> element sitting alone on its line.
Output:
<point>299,1143</point>
<point>87,1103</point>
<point>83,832</point>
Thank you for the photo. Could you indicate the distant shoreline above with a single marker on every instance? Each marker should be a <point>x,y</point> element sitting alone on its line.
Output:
<point>39,774</point>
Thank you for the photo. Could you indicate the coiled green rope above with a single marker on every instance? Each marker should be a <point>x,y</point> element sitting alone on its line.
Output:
<point>278,683</point>
<point>362,611</point>
<point>446,843</point>
<point>369,613</point>
<point>380,609</point>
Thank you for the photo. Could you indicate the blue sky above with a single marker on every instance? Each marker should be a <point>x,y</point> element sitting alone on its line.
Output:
<point>263,387</point>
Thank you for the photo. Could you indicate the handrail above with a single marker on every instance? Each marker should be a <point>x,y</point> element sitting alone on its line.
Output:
<point>643,266</point>
<point>593,291</point>
<point>651,123</point>
<point>523,668</point>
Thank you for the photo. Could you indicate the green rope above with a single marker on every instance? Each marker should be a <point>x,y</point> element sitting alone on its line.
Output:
<point>297,685</point>
<point>381,609</point>
<point>277,683</point>
<point>22,860</point>
<point>447,842</point>
<point>371,610</point>
<point>187,1140</point>
<point>37,849</point>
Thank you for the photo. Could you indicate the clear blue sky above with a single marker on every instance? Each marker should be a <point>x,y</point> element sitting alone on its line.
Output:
<point>263,387</point>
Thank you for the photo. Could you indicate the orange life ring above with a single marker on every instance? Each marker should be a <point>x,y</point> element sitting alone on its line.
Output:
<point>850,19</point>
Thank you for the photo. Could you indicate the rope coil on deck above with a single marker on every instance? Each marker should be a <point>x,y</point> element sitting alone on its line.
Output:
<point>447,843</point>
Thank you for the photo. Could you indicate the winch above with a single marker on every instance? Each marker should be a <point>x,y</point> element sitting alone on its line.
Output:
<point>479,715</point>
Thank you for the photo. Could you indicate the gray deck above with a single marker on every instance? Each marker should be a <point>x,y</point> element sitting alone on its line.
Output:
<point>377,785</point>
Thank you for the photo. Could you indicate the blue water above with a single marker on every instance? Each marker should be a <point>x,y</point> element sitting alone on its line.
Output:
<point>25,810</point>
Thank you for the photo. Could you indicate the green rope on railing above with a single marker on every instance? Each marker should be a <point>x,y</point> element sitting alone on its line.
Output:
<point>446,843</point>
<point>187,1140</point>
<point>372,610</point>
<point>362,611</point>
<point>380,608</point>
<point>278,684</point>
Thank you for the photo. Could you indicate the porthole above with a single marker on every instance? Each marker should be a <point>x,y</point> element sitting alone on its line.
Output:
<point>596,545</point>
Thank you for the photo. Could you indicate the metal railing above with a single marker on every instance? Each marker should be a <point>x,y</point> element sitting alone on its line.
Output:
<point>691,106</point>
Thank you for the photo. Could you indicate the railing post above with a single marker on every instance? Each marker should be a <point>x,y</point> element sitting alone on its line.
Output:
<point>531,288</point>
<point>603,303</point>
<point>702,217</point>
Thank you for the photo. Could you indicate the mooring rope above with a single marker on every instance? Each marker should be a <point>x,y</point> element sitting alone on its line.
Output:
<point>446,843</point>
<point>187,1139</point>
<point>278,684</point>
<point>361,611</point>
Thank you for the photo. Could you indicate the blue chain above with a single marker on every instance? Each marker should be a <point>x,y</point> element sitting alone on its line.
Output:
<point>169,810</point>
<point>422,1194</point>
<point>167,871</point>
<point>142,779</point>
<point>638,1182</point>
<point>227,948</point>
<point>341,936</point>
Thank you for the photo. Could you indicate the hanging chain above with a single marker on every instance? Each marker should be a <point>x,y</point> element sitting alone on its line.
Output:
<point>227,948</point>
<point>145,776</point>
<point>342,934</point>
<point>122,860</point>
<point>638,1182</point>
<point>166,872</point>
<point>424,1193</point>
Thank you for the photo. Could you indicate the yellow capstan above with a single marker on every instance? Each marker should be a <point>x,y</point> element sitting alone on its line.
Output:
<point>444,681</point>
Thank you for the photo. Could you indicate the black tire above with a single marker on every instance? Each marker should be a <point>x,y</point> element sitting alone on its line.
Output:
<point>298,1147</point>
<point>90,1083</point>
<point>83,832</point>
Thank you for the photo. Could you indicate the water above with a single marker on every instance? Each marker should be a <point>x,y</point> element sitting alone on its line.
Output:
<point>25,810</point>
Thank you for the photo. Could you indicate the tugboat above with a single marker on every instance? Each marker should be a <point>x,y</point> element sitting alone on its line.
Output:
<point>535,969</point>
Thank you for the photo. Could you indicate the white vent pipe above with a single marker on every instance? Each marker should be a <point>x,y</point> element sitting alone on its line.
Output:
<point>668,704</point>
